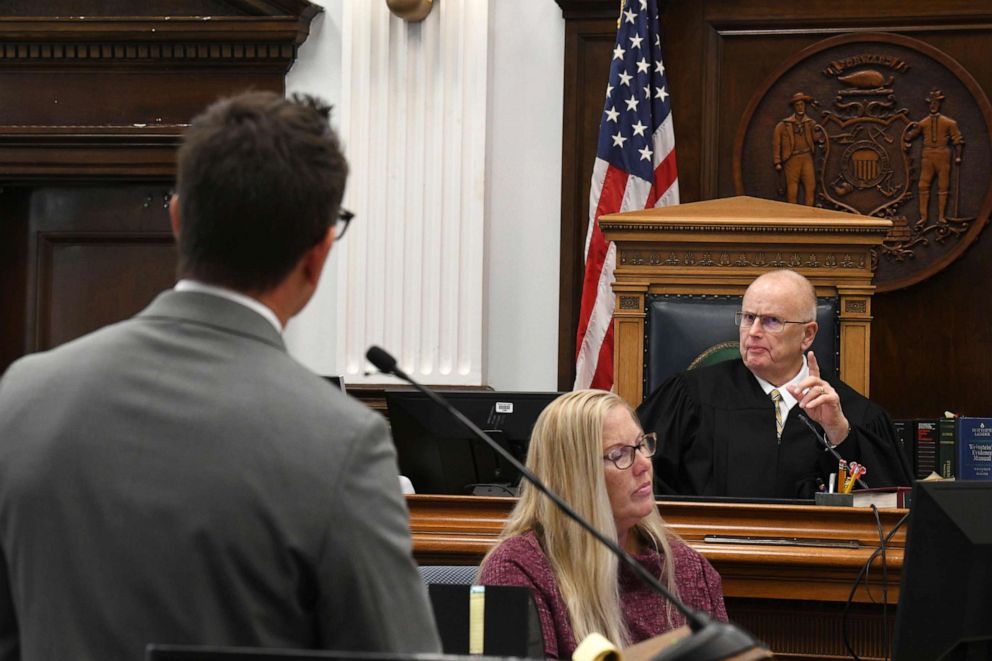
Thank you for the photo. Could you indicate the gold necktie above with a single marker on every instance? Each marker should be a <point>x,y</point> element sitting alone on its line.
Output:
<point>777,400</point>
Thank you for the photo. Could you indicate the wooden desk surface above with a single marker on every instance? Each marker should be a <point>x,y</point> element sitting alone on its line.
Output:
<point>460,529</point>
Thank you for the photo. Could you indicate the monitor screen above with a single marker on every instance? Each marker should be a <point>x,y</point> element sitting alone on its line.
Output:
<point>440,455</point>
<point>945,601</point>
<point>336,381</point>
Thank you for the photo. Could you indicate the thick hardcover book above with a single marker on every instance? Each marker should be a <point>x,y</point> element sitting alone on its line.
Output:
<point>880,497</point>
<point>924,448</point>
<point>883,497</point>
<point>946,434</point>
<point>974,448</point>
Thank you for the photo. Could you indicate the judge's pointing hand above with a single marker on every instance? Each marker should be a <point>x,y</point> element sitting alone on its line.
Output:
<point>821,403</point>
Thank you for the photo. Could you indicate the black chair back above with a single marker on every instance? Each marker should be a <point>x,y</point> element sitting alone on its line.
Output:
<point>682,328</point>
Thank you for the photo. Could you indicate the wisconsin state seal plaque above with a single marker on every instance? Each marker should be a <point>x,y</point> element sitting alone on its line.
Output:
<point>881,125</point>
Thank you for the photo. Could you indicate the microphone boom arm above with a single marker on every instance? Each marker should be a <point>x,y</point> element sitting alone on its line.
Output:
<point>827,445</point>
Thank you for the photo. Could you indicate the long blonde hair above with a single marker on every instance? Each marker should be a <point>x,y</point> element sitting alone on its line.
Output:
<point>566,453</point>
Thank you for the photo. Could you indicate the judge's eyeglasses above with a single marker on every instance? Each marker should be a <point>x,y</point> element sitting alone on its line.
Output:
<point>622,456</point>
<point>770,323</point>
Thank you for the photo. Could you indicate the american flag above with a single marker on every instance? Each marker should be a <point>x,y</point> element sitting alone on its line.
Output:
<point>635,169</point>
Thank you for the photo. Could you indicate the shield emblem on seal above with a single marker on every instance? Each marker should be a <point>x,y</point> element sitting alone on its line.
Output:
<point>864,168</point>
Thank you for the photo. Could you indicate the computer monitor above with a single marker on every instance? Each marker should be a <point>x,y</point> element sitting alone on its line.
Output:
<point>337,382</point>
<point>945,602</point>
<point>440,455</point>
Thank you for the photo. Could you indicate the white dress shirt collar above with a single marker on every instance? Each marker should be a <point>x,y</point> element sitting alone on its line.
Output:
<point>231,295</point>
<point>788,401</point>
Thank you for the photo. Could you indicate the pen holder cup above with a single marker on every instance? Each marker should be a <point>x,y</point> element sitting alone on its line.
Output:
<point>834,499</point>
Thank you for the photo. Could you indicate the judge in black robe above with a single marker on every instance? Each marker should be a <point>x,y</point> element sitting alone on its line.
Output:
<point>716,437</point>
<point>717,428</point>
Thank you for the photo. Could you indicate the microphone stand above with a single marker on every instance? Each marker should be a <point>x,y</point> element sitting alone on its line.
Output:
<point>828,445</point>
<point>711,640</point>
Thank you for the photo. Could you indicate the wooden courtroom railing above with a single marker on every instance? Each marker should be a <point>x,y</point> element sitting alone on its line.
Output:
<point>789,590</point>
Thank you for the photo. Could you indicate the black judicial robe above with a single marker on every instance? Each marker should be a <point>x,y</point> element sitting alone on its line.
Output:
<point>716,437</point>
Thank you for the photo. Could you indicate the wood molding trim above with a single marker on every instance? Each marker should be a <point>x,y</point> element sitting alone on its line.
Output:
<point>111,37</point>
<point>88,152</point>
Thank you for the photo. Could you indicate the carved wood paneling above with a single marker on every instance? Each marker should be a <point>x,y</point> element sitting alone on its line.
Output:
<point>97,95</point>
<point>804,630</point>
<point>717,53</point>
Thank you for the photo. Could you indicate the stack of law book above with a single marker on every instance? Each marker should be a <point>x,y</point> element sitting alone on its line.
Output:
<point>953,447</point>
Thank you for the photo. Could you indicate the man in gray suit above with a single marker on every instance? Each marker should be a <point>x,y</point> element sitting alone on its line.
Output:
<point>177,477</point>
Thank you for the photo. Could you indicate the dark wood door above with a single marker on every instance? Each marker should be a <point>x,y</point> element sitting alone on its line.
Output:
<point>95,255</point>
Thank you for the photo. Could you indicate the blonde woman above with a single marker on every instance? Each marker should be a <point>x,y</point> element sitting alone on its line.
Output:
<point>589,448</point>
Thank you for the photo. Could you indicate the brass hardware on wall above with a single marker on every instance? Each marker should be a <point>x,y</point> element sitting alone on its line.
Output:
<point>411,10</point>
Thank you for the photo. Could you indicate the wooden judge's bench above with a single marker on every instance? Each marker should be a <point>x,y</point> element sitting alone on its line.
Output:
<point>787,569</point>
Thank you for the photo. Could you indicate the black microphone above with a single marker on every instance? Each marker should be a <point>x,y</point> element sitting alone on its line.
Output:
<point>828,445</point>
<point>710,640</point>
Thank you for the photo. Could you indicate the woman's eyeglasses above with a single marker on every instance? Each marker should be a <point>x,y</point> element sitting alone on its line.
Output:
<point>622,456</point>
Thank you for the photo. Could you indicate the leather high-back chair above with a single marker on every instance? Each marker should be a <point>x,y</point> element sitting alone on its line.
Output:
<point>687,331</point>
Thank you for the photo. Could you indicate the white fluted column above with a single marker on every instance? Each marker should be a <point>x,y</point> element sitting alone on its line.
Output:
<point>410,271</point>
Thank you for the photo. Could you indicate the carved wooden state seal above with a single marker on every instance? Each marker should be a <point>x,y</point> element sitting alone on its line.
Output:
<point>882,125</point>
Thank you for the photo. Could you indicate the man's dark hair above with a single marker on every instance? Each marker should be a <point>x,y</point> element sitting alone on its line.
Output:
<point>260,180</point>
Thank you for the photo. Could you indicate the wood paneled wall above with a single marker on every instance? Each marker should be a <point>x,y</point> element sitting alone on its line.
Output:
<point>931,342</point>
<point>96,96</point>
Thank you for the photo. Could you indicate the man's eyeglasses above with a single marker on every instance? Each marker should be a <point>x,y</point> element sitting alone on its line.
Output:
<point>622,456</point>
<point>344,220</point>
<point>770,323</point>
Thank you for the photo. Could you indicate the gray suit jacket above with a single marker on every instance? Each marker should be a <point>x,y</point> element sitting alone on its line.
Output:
<point>178,478</point>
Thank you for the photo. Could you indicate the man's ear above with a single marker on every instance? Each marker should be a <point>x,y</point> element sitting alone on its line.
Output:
<point>809,334</point>
<point>174,215</point>
<point>316,257</point>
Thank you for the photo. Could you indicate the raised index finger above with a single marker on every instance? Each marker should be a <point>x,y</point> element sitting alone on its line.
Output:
<point>814,368</point>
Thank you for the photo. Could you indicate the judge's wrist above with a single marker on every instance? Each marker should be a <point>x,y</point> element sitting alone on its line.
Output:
<point>839,433</point>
